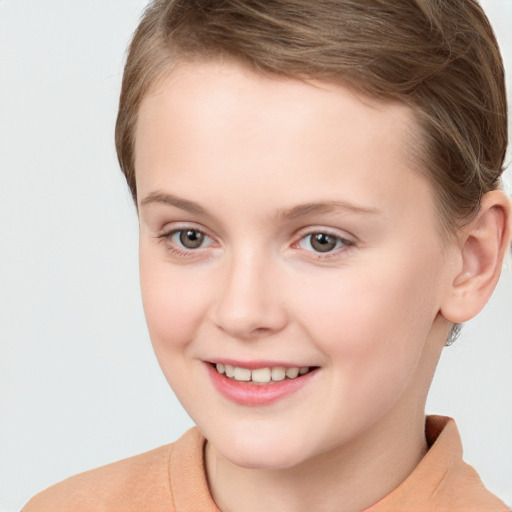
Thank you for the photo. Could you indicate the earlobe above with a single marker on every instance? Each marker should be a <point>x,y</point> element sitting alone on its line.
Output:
<point>483,244</point>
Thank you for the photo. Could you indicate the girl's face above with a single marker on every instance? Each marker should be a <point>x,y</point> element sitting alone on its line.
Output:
<point>282,227</point>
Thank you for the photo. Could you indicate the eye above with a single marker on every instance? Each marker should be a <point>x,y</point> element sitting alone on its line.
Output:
<point>186,242</point>
<point>322,242</point>
<point>188,238</point>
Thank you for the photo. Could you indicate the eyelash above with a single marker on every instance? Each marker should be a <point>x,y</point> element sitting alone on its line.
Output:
<point>345,244</point>
<point>166,237</point>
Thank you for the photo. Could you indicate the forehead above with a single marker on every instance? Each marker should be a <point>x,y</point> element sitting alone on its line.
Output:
<point>220,88</point>
<point>207,121</point>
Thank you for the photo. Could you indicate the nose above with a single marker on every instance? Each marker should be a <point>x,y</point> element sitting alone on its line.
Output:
<point>250,302</point>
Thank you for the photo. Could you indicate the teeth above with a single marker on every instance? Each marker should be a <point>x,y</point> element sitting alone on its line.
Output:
<point>242,374</point>
<point>260,375</point>
<point>278,373</point>
<point>291,373</point>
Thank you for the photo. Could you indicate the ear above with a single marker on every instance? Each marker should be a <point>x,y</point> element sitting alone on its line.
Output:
<point>481,249</point>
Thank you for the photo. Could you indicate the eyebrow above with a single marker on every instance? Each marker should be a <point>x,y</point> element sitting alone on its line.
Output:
<point>323,207</point>
<point>318,207</point>
<point>178,202</point>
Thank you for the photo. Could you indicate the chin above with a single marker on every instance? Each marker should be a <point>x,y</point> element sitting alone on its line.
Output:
<point>264,459</point>
<point>251,450</point>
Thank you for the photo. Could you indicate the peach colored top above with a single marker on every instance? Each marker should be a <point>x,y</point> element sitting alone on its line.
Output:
<point>172,479</point>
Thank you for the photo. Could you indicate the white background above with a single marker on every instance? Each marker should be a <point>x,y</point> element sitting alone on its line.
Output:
<point>79,385</point>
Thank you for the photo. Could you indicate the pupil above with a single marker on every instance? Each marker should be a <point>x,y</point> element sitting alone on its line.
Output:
<point>322,242</point>
<point>191,239</point>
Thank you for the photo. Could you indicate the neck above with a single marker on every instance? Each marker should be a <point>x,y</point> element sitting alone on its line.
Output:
<point>347,479</point>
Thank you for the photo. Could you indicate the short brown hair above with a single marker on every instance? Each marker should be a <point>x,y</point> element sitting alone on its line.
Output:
<point>440,57</point>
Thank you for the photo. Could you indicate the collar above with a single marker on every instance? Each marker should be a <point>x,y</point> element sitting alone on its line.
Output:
<point>442,481</point>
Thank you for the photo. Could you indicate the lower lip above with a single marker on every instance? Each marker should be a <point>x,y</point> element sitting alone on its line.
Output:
<point>256,395</point>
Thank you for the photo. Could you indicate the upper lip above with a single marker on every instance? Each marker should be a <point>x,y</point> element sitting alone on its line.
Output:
<point>254,364</point>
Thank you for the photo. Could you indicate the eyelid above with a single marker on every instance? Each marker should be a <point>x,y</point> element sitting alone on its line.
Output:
<point>172,234</point>
<point>311,230</point>
<point>347,240</point>
<point>173,227</point>
<point>166,234</point>
<point>170,229</point>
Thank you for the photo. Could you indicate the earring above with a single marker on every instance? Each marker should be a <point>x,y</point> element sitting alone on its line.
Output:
<point>454,334</point>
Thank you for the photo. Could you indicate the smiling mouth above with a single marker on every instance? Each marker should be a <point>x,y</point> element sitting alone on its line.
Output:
<point>261,376</point>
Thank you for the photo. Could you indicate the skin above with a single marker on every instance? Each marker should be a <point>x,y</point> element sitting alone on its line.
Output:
<point>248,150</point>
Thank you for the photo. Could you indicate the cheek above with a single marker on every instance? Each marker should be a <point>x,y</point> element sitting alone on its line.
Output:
<point>173,306</point>
<point>364,310</point>
<point>172,303</point>
<point>372,324</point>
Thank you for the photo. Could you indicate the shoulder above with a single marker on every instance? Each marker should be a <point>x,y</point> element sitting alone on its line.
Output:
<point>137,483</point>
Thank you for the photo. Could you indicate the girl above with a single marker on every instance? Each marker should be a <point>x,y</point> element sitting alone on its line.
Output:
<point>317,185</point>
